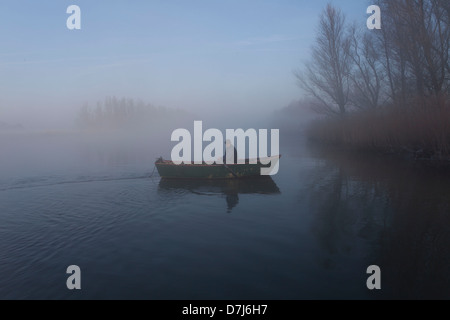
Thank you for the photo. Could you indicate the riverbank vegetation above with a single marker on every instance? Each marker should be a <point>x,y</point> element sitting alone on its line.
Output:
<point>384,90</point>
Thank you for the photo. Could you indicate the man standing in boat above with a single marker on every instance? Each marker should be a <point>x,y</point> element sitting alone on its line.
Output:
<point>231,155</point>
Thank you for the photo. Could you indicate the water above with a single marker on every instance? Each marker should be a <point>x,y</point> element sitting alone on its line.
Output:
<point>310,232</point>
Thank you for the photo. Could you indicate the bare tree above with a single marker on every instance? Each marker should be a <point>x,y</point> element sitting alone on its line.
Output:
<point>367,76</point>
<point>406,62</point>
<point>327,76</point>
<point>392,45</point>
<point>416,36</point>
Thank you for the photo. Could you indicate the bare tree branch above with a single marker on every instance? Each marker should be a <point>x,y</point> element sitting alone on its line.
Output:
<point>326,77</point>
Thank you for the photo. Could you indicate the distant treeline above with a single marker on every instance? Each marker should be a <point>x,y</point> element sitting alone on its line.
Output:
<point>10,127</point>
<point>114,113</point>
<point>389,88</point>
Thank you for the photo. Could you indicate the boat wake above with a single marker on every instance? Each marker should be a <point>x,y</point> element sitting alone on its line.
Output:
<point>29,183</point>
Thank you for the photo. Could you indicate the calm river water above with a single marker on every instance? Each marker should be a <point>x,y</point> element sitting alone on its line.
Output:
<point>310,232</point>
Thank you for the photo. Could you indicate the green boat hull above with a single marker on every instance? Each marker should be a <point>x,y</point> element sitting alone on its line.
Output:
<point>167,169</point>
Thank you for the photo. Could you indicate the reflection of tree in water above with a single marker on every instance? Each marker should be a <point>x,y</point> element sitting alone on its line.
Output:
<point>343,210</point>
<point>416,250</point>
<point>398,212</point>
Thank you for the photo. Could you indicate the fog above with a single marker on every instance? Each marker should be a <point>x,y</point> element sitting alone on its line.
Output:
<point>218,63</point>
<point>210,59</point>
<point>229,71</point>
<point>85,112</point>
<point>59,148</point>
<point>103,100</point>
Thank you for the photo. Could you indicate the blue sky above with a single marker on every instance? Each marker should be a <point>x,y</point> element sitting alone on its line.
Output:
<point>211,55</point>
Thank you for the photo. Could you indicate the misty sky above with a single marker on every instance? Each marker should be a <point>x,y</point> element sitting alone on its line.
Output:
<point>235,55</point>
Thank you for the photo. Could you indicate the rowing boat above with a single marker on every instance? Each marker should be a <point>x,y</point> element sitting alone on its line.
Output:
<point>168,169</point>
